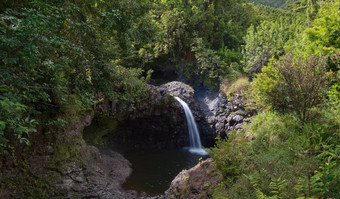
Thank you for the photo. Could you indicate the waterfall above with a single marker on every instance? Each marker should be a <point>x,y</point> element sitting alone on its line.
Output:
<point>195,141</point>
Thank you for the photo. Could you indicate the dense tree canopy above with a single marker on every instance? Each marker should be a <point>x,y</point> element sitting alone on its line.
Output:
<point>57,57</point>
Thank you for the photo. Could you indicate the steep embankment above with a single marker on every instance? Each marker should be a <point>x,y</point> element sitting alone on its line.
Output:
<point>63,166</point>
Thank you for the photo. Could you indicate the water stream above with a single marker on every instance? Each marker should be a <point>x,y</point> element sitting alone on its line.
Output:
<point>194,136</point>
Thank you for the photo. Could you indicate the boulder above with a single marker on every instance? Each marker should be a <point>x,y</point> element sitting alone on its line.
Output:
<point>179,89</point>
<point>195,183</point>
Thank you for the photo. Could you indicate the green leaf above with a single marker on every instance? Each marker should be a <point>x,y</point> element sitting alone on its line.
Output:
<point>2,125</point>
<point>10,60</point>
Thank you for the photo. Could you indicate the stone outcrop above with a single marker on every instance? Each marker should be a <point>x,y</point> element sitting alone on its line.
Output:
<point>195,183</point>
<point>221,114</point>
<point>214,113</point>
<point>179,89</point>
<point>100,176</point>
<point>84,171</point>
<point>61,165</point>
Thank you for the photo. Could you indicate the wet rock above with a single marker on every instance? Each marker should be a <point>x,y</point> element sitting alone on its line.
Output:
<point>156,122</point>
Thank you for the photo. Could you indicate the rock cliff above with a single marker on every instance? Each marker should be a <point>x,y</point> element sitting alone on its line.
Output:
<point>221,114</point>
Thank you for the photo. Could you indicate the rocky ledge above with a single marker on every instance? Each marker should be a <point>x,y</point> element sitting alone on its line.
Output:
<point>179,89</point>
<point>100,176</point>
<point>195,183</point>
<point>214,113</point>
<point>63,166</point>
<point>221,114</point>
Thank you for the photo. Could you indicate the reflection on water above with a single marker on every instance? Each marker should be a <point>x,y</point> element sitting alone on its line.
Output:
<point>153,170</point>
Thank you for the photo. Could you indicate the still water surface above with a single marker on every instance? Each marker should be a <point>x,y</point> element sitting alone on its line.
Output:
<point>153,170</point>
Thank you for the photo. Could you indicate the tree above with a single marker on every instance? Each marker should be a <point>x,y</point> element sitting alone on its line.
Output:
<point>324,34</point>
<point>56,57</point>
<point>262,43</point>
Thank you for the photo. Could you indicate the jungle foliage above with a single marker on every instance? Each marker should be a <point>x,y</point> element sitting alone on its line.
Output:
<point>59,58</point>
<point>291,148</point>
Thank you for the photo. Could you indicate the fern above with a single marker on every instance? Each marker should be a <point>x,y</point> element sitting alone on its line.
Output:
<point>277,187</point>
<point>310,186</point>
<point>260,195</point>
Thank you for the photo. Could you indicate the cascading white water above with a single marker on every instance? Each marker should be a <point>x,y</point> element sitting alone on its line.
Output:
<point>195,141</point>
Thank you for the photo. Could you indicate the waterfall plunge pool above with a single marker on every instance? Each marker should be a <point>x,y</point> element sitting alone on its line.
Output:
<point>154,169</point>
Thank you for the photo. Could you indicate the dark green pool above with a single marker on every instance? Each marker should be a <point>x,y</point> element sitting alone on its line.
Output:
<point>153,170</point>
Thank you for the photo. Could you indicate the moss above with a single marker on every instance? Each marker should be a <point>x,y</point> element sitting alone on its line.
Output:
<point>66,152</point>
<point>93,134</point>
<point>71,110</point>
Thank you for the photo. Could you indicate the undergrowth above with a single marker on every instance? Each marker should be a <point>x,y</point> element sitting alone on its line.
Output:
<point>287,159</point>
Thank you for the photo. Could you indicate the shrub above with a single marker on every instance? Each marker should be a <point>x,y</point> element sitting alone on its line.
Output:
<point>271,164</point>
<point>240,87</point>
<point>15,123</point>
<point>227,157</point>
<point>293,84</point>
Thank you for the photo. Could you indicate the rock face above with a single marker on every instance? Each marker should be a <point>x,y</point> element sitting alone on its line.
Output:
<point>63,166</point>
<point>187,94</point>
<point>195,183</point>
<point>221,114</point>
<point>100,176</point>
<point>84,171</point>
<point>158,121</point>
<point>155,122</point>
<point>214,113</point>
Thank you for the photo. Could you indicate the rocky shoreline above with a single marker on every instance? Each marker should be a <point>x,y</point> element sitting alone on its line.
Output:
<point>195,183</point>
